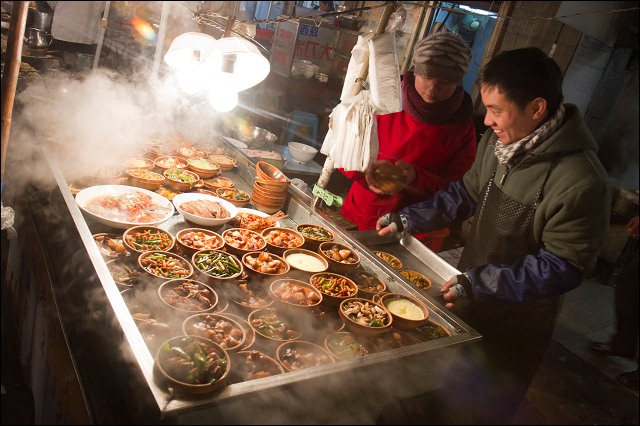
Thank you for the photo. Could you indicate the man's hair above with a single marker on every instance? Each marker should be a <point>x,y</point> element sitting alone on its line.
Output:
<point>522,75</point>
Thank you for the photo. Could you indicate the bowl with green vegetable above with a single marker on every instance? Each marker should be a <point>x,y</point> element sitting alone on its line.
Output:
<point>146,238</point>
<point>217,265</point>
<point>193,364</point>
<point>164,265</point>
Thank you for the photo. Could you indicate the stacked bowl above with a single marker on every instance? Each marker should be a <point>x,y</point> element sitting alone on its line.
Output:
<point>270,188</point>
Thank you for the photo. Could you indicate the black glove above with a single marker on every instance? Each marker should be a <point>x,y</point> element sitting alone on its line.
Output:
<point>395,221</point>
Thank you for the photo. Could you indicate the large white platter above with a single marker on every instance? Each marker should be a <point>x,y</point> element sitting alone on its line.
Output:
<point>161,205</point>
<point>179,199</point>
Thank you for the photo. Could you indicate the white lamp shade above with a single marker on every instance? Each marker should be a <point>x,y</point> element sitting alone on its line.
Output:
<point>188,50</point>
<point>249,68</point>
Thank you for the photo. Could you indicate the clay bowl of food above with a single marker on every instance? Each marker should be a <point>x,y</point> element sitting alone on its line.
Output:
<point>420,280</point>
<point>390,259</point>
<point>224,331</point>
<point>431,330</point>
<point>154,327</point>
<point>235,196</point>
<point>250,334</point>
<point>125,272</point>
<point>191,240</point>
<point>407,311</point>
<point>334,287</point>
<point>314,235</point>
<point>368,283</point>
<point>225,162</point>
<point>273,327</point>
<point>164,265</point>
<point>364,317</point>
<point>160,150</point>
<point>139,163</point>
<point>252,364</point>
<point>270,172</point>
<point>104,176</point>
<point>299,355</point>
<point>394,339</point>
<point>188,152</point>
<point>217,265</point>
<point>145,179</point>
<point>218,182</point>
<point>248,295</point>
<point>111,245</point>
<point>263,266</point>
<point>204,209</point>
<point>305,263</point>
<point>346,345</point>
<point>167,162</point>
<point>145,238</point>
<point>294,296</point>
<point>188,297</point>
<point>281,239</point>
<point>181,179</point>
<point>389,177</point>
<point>201,367</point>
<point>240,241</point>
<point>341,258</point>
<point>204,168</point>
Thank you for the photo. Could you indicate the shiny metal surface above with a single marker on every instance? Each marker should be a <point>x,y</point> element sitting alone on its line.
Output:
<point>361,386</point>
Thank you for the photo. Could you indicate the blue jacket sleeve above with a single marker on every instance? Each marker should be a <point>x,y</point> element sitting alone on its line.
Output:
<point>533,276</point>
<point>440,210</point>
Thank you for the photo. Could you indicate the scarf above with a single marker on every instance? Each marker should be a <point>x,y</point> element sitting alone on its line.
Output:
<point>512,152</point>
<point>436,113</point>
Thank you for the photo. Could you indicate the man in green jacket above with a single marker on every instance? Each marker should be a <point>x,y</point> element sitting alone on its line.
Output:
<point>540,202</point>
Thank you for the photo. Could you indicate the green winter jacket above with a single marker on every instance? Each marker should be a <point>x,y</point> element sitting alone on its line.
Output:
<point>572,220</point>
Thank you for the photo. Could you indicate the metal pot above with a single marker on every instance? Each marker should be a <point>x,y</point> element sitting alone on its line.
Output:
<point>38,39</point>
<point>39,19</point>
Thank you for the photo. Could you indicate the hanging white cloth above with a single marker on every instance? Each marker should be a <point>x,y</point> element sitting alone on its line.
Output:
<point>351,141</point>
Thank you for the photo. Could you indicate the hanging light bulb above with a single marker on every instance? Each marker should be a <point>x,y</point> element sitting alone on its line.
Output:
<point>223,100</point>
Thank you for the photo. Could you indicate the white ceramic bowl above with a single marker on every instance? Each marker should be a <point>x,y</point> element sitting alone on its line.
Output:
<point>301,153</point>
<point>180,199</point>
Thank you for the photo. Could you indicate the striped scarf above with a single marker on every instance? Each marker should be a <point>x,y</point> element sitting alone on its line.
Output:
<point>511,153</point>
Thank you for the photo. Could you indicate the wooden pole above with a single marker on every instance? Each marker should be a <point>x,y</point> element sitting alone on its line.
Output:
<point>328,167</point>
<point>17,26</point>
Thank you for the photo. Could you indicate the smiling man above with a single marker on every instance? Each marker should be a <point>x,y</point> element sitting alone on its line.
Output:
<point>540,202</point>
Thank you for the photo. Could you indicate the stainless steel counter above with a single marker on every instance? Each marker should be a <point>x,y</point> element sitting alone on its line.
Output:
<point>350,391</point>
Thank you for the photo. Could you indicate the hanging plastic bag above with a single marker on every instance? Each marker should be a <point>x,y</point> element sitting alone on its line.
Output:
<point>384,74</point>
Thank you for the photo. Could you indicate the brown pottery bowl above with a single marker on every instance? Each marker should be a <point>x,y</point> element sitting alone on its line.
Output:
<point>364,317</point>
<point>179,374</point>
<point>341,258</point>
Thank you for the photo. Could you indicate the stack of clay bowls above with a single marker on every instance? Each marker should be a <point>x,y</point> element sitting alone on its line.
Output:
<point>270,189</point>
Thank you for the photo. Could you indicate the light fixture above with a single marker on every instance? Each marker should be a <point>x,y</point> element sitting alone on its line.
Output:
<point>187,51</point>
<point>237,58</point>
<point>221,67</point>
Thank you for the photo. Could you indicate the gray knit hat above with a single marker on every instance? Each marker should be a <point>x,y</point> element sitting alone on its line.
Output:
<point>442,55</point>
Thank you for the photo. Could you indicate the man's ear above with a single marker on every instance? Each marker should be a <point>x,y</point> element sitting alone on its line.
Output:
<point>538,108</point>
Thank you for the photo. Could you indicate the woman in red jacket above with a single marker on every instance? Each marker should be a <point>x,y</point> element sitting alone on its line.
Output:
<point>432,140</point>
